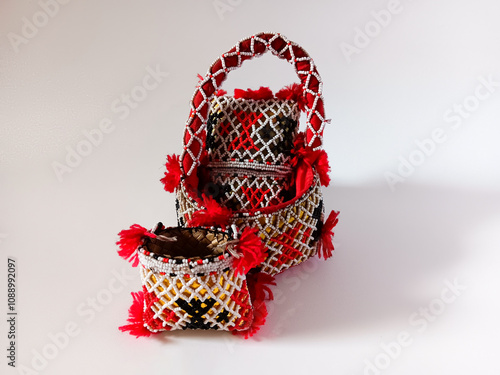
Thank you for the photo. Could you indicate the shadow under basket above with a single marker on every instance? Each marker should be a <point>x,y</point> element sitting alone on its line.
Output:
<point>189,282</point>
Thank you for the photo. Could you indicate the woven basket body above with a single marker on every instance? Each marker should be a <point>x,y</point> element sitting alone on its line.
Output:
<point>198,291</point>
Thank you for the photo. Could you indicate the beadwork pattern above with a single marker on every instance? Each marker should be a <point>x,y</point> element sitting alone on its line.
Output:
<point>258,133</point>
<point>286,232</point>
<point>197,293</point>
<point>240,190</point>
<point>199,267</point>
<point>219,300</point>
<point>249,146</point>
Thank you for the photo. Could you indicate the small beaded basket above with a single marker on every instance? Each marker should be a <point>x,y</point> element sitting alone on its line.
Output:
<point>193,278</point>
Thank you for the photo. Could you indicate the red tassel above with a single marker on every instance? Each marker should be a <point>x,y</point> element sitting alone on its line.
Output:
<point>213,214</point>
<point>136,317</point>
<point>264,93</point>
<point>258,286</point>
<point>325,243</point>
<point>259,319</point>
<point>259,293</point>
<point>317,159</point>
<point>173,173</point>
<point>299,150</point>
<point>292,92</point>
<point>130,240</point>
<point>220,92</point>
<point>323,167</point>
<point>251,250</point>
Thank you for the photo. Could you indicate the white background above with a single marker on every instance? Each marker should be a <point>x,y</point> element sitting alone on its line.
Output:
<point>395,248</point>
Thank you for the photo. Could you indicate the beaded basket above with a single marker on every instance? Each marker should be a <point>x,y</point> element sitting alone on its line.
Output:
<point>191,280</point>
<point>229,141</point>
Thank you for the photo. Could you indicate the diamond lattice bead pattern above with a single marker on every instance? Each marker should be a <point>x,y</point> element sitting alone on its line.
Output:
<point>288,232</point>
<point>258,133</point>
<point>249,143</point>
<point>240,191</point>
<point>219,300</point>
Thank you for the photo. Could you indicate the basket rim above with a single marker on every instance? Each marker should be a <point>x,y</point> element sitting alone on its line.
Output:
<point>270,210</point>
<point>179,259</point>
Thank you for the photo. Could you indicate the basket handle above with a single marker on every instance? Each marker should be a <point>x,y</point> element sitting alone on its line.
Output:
<point>246,49</point>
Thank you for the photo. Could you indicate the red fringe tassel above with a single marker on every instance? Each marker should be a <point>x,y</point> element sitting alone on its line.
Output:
<point>292,92</point>
<point>173,173</point>
<point>251,250</point>
<point>213,214</point>
<point>323,168</point>
<point>264,93</point>
<point>315,159</point>
<point>258,287</point>
<point>136,317</point>
<point>325,244</point>
<point>130,240</point>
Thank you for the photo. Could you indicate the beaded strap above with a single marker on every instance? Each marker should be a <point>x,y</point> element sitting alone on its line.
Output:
<point>246,49</point>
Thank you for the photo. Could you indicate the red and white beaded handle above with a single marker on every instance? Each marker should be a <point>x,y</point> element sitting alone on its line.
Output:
<point>246,49</point>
